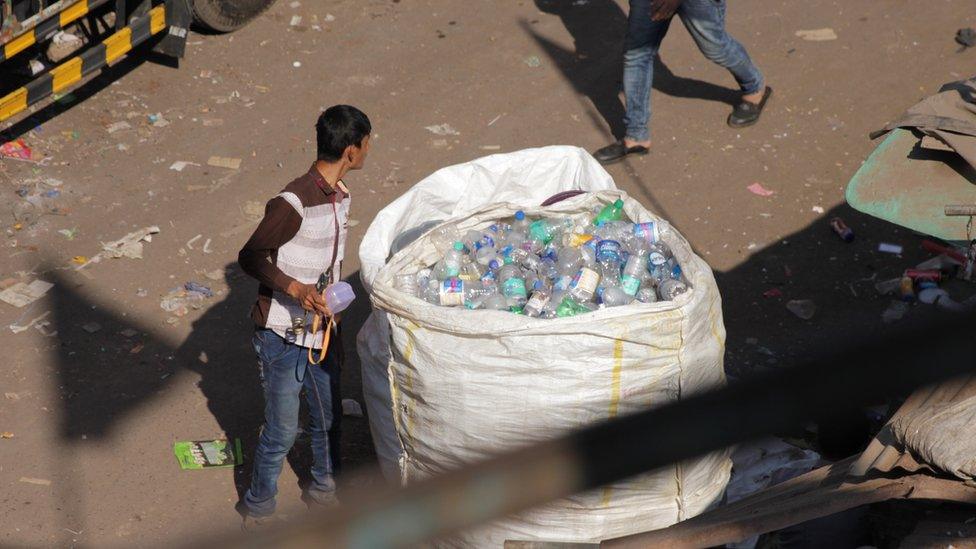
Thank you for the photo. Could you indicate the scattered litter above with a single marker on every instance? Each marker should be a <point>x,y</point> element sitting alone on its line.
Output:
<point>802,308</point>
<point>180,164</point>
<point>141,292</point>
<point>37,481</point>
<point>439,143</point>
<point>295,20</point>
<point>773,292</point>
<point>224,162</point>
<point>91,327</point>
<point>817,35</point>
<point>896,311</point>
<point>888,287</point>
<point>129,332</point>
<point>202,454</point>
<point>118,126</point>
<point>157,120</point>
<point>179,301</point>
<point>216,274</point>
<point>206,247</point>
<point>817,209</point>
<point>532,61</point>
<point>129,245</point>
<point>294,4</point>
<point>493,120</point>
<point>79,260</point>
<point>11,396</point>
<point>16,149</point>
<point>329,18</point>
<point>70,234</point>
<point>841,229</point>
<point>8,434</point>
<point>189,243</point>
<point>966,37</point>
<point>17,328</point>
<point>213,122</point>
<point>490,147</point>
<point>758,189</point>
<point>253,209</point>
<point>20,294</point>
<point>296,64</point>
<point>203,357</point>
<point>442,129</point>
<point>352,408</point>
<point>889,248</point>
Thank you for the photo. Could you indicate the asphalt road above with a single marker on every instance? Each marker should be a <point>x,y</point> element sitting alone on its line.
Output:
<point>94,413</point>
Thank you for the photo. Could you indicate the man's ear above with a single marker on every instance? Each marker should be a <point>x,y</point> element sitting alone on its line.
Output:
<point>347,154</point>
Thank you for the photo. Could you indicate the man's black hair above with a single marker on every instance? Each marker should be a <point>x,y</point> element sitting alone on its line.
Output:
<point>339,127</point>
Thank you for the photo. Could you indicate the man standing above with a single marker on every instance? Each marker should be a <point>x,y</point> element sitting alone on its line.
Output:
<point>301,237</point>
<point>647,24</point>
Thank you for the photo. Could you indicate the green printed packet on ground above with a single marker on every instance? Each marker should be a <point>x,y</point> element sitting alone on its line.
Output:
<point>203,454</point>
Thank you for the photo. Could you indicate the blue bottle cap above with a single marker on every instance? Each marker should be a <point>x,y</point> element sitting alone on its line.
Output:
<point>493,264</point>
<point>519,215</point>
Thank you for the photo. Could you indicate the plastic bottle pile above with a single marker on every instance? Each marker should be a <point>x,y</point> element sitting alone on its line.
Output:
<point>550,267</point>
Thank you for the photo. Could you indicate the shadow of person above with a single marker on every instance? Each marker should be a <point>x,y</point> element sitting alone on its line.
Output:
<point>594,66</point>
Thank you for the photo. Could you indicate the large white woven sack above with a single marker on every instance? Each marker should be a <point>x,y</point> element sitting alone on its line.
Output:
<point>525,177</point>
<point>469,384</point>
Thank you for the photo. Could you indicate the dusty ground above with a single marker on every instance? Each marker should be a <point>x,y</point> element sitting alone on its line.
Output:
<point>94,415</point>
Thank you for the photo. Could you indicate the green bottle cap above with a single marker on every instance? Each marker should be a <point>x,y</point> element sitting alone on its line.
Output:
<point>619,203</point>
<point>458,246</point>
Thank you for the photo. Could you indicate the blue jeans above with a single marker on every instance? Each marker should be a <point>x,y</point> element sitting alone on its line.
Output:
<point>285,371</point>
<point>705,21</point>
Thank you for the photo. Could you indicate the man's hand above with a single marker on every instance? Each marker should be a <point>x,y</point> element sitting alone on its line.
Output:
<point>308,297</point>
<point>662,10</point>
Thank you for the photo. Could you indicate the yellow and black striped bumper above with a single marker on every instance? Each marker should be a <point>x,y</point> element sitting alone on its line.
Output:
<point>48,28</point>
<point>94,58</point>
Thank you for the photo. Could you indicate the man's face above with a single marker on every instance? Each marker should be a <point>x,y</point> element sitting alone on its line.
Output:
<point>358,154</point>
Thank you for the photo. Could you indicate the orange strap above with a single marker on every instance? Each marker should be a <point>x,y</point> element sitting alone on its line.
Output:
<point>326,338</point>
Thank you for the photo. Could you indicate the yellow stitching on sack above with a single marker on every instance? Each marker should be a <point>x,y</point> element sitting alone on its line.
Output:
<point>618,363</point>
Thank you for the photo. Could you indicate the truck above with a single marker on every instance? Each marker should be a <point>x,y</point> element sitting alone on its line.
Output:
<point>48,47</point>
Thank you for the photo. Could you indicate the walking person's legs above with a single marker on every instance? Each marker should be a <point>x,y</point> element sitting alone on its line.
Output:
<point>325,414</point>
<point>282,366</point>
<point>643,40</point>
<point>705,21</point>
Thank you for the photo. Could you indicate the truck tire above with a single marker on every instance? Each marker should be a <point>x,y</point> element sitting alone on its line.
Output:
<point>226,15</point>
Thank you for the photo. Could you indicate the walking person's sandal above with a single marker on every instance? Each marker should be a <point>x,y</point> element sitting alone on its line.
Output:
<point>616,151</point>
<point>746,113</point>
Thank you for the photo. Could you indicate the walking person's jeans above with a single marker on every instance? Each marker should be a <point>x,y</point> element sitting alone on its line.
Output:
<point>285,371</point>
<point>705,21</point>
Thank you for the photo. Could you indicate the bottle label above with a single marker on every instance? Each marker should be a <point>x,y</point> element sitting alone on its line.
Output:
<point>537,301</point>
<point>649,231</point>
<point>452,292</point>
<point>630,284</point>
<point>586,281</point>
<point>656,259</point>
<point>514,287</point>
<point>608,250</point>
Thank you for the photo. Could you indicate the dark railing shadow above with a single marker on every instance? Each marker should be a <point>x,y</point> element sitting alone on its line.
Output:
<point>106,377</point>
<point>594,66</point>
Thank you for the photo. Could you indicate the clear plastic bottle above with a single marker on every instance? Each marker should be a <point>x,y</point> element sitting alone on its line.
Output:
<point>671,288</point>
<point>615,297</point>
<point>406,283</point>
<point>634,271</point>
<point>537,302</point>
<point>452,260</point>
<point>511,282</point>
<point>526,259</point>
<point>476,292</point>
<point>496,302</point>
<point>647,294</point>
<point>485,255</point>
<point>444,237</point>
<point>521,223</point>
